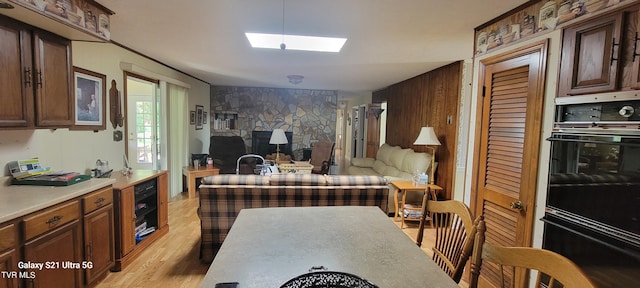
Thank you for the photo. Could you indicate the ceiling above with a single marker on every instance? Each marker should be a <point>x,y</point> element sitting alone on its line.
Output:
<point>388,41</point>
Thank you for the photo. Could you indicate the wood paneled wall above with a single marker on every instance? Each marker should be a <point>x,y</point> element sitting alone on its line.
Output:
<point>429,99</point>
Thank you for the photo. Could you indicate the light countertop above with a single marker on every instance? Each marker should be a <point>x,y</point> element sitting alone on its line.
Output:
<point>268,246</point>
<point>19,200</point>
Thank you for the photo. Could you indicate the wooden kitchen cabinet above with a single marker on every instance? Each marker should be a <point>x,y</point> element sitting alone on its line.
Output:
<point>54,237</point>
<point>126,221</point>
<point>141,200</point>
<point>36,81</point>
<point>591,56</point>
<point>16,91</point>
<point>601,55</point>
<point>163,200</point>
<point>632,48</point>
<point>74,239</point>
<point>8,254</point>
<point>52,80</point>
<point>99,234</point>
<point>8,262</point>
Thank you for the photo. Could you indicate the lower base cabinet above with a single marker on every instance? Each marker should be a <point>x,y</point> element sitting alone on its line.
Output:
<point>99,235</point>
<point>59,251</point>
<point>8,254</point>
<point>70,244</point>
<point>8,260</point>
<point>99,245</point>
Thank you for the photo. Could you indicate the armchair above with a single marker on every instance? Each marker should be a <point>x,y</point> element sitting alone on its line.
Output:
<point>225,151</point>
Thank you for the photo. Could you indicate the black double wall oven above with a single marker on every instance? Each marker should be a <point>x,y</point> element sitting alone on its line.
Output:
<point>592,214</point>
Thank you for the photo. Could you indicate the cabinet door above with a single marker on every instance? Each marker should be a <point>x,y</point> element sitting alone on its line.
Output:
<point>8,263</point>
<point>127,221</point>
<point>632,22</point>
<point>56,250</point>
<point>16,89</point>
<point>8,255</point>
<point>52,66</point>
<point>163,200</point>
<point>99,242</point>
<point>590,57</point>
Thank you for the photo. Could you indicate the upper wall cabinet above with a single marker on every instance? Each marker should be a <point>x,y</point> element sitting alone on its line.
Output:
<point>601,55</point>
<point>35,82</point>
<point>590,57</point>
<point>631,53</point>
<point>16,77</point>
<point>52,75</point>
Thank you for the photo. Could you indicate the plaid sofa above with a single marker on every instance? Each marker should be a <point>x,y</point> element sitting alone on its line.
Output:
<point>223,196</point>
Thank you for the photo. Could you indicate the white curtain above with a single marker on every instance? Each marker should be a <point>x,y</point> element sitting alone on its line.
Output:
<point>177,136</point>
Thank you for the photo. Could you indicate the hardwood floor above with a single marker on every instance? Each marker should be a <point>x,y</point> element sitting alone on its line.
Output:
<point>173,260</point>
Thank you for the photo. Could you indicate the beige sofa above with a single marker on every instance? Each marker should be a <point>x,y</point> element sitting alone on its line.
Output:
<point>392,163</point>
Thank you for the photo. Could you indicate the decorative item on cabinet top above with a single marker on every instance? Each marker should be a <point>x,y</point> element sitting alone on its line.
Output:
<point>522,23</point>
<point>85,15</point>
<point>90,100</point>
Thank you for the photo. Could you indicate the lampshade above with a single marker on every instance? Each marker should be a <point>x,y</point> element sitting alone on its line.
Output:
<point>278,137</point>
<point>427,137</point>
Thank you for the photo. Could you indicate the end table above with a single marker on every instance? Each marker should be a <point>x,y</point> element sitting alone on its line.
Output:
<point>191,173</point>
<point>405,186</point>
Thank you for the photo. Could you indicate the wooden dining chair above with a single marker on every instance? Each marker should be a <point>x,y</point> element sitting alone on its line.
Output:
<point>557,268</point>
<point>454,234</point>
<point>321,153</point>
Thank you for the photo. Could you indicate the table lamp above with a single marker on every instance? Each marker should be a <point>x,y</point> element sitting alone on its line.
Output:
<point>428,137</point>
<point>278,137</point>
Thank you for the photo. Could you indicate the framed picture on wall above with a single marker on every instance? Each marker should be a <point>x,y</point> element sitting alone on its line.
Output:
<point>204,118</point>
<point>199,116</point>
<point>90,100</point>
<point>192,117</point>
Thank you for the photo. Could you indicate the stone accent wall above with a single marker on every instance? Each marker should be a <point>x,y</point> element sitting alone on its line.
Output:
<point>309,114</point>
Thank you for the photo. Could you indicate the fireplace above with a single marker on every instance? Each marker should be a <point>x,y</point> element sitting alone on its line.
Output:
<point>260,143</point>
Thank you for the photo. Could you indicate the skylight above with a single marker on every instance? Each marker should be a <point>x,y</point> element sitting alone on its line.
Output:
<point>296,42</point>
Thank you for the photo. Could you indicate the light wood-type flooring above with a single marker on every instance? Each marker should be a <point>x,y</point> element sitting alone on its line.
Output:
<point>173,260</point>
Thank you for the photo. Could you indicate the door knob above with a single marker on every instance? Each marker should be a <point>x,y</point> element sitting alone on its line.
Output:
<point>516,205</point>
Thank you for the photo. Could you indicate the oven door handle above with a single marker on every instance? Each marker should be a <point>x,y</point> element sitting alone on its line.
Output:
<point>555,139</point>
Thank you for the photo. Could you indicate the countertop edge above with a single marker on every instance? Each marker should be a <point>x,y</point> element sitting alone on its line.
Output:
<point>19,200</point>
